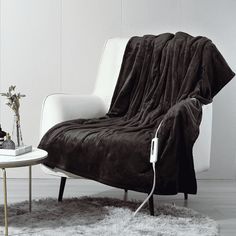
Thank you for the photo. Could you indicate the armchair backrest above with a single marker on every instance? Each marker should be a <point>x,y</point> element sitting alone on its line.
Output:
<point>109,69</point>
<point>108,73</point>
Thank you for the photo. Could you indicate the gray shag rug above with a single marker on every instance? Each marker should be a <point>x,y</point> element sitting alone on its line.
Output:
<point>103,216</point>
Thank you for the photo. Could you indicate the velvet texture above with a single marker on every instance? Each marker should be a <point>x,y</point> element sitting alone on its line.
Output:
<point>159,76</point>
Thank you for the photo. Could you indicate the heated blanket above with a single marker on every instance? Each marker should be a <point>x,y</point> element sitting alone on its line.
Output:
<point>158,77</point>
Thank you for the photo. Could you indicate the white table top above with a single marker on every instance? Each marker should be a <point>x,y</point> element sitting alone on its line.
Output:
<point>31,158</point>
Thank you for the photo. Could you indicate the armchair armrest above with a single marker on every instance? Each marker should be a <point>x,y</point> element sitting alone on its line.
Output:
<point>57,108</point>
<point>202,146</point>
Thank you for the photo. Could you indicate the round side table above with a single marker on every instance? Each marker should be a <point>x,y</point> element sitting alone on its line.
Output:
<point>29,159</point>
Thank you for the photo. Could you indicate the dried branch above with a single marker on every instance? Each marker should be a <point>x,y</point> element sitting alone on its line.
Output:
<point>13,99</point>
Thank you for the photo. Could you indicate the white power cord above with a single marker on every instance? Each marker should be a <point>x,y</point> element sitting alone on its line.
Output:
<point>153,160</point>
<point>150,194</point>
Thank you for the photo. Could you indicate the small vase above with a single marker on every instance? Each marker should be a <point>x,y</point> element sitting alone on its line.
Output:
<point>8,143</point>
<point>16,132</point>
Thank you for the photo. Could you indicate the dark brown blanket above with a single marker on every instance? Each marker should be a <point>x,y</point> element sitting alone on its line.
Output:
<point>159,75</point>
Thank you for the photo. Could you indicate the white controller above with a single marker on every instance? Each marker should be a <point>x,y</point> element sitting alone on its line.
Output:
<point>154,150</point>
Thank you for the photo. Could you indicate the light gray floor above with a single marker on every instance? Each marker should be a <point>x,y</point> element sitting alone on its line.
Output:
<point>216,199</point>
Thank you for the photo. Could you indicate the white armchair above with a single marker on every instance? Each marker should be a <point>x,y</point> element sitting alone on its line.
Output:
<point>61,107</point>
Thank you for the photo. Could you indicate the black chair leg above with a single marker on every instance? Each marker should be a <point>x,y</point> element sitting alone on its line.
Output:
<point>125,195</point>
<point>62,187</point>
<point>151,206</point>
<point>185,196</point>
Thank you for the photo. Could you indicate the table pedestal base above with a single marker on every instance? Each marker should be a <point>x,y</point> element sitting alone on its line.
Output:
<point>5,195</point>
<point>5,200</point>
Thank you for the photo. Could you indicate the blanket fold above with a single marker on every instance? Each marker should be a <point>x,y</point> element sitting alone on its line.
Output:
<point>158,77</point>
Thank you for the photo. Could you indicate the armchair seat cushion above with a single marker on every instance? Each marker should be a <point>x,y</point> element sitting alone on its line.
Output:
<point>159,77</point>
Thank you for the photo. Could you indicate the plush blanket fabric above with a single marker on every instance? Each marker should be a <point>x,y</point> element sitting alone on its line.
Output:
<point>159,76</point>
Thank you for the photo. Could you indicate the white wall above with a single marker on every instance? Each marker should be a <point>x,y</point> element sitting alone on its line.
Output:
<point>50,46</point>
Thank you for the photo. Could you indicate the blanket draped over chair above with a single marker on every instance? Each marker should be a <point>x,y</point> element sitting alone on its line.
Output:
<point>158,77</point>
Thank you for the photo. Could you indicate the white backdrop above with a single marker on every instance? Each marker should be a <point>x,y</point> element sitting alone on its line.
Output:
<point>49,46</point>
